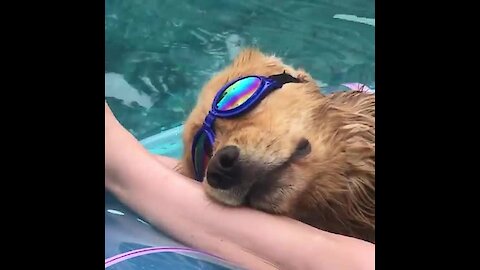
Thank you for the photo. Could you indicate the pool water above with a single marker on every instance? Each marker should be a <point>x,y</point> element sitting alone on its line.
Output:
<point>158,54</point>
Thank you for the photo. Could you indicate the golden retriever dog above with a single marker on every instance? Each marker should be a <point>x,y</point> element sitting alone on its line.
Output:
<point>297,153</point>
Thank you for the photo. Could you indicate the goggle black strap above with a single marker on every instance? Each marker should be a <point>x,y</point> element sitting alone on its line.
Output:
<point>284,78</point>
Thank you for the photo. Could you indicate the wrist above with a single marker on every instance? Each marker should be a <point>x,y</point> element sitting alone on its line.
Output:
<point>342,252</point>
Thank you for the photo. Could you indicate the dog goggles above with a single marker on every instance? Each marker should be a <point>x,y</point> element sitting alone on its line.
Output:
<point>235,98</point>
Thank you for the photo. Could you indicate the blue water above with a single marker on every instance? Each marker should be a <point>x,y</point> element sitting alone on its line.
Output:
<point>160,53</point>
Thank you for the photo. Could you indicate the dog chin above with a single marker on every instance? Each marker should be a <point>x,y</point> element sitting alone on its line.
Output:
<point>231,197</point>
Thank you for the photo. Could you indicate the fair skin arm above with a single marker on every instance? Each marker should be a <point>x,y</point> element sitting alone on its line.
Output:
<point>246,237</point>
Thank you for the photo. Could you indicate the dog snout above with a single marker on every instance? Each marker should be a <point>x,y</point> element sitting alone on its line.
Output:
<point>224,169</point>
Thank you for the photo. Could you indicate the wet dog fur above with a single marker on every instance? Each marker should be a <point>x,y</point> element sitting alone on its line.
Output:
<point>330,184</point>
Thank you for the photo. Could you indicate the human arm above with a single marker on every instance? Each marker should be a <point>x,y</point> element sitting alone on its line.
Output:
<point>246,237</point>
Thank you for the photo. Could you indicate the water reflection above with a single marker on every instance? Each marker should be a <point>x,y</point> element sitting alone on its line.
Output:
<point>160,53</point>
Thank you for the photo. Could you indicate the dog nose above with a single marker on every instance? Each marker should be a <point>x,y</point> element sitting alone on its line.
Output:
<point>224,169</point>
<point>228,156</point>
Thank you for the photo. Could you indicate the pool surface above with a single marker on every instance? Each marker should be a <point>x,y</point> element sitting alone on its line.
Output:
<point>160,53</point>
